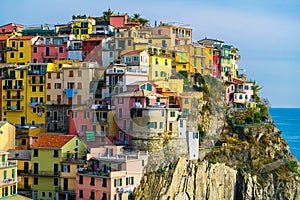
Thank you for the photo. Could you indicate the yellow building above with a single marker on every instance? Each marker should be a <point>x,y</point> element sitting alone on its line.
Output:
<point>8,176</point>
<point>160,41</point>
<point>7,136</point>
<point>24,95</point>
<point>234,58</point>
<point>82,28</point>
<point>196,56</point>
<point>49,153</point>
<point>180,61</point>
<point>23,157</point>
<point>19,49</point>
<point>24,136</point>
<point>209,67</point>
<point>160,63</point>
<point>226,72</point>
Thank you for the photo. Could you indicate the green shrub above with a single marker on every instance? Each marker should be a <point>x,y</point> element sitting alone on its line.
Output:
<point>249,119</point>
<point>292,166</point>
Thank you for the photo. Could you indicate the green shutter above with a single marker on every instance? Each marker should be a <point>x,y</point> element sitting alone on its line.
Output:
<point>13,173</point>
<point>115,183</point>
<point>4,174</point>
<point>120,181</point>
<point>90,136</point>
<point>126,181</point>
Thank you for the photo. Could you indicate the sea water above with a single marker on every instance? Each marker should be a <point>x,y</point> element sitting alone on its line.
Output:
<point>288,121</point>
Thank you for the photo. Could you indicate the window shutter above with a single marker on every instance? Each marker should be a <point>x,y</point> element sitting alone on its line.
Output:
<point>126,181</point>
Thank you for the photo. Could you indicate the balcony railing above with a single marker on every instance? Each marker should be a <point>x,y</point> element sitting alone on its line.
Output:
<point>13,97</point>
<point>13,108</point>
<point>22,186</point>
<point>8,164</point>
<point>44,173</point>
<point>10,181</point>
<point>50,55</point>
<point>17,87</point>
<point>74,160</point>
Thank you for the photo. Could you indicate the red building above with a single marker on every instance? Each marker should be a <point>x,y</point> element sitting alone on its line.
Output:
<point>11,28</point>
<point>217,64</point>
<point>92,49</point>
<point>49,49</point>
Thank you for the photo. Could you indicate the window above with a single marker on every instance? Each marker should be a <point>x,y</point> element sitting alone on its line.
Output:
<point>104,196</point>
<point>21,55</point>
<point>92,196</point>
<point>49,75</point>
<point>34,60</point>
<point>186,100</point>
<point>74,114</point>
<point>120,100</point>
<point>79,85</point>
<point>60,49</point>
<point>23,142</point>
<point>35,152</point>
<point>55,153</point>
<point>156,73</point>
<point>87,114</point>
<point>172,114</point>
<point>120,112</point>
<point>13,44</point>
<point>80,193</point>
<point>43,194</point>
<point>80,179</point>
<point>35,181</point>
<point>129,180</point>
<point>41,88</point>
<point>129,42</point>
<point>65,168</point>
<point>48,85</point>
<point>55,181</point>
<point>12,55</point>
<point>57,85</point>
<point>195,135</point>
<point>156,61</point>
<point>152,125</point>
<point>79,73</point>
<point>104,182</point>
<point>71,73</point>
<point>58,75</point>
<point>186,111</point>
<point>181,123</point>
<point>118,182</point>
<point>161,125</point>
<point>92,182</point>
<point>33,88</point>
<point>50,194</point>
<point>35,49</point>
<point>246,87</point>
<point>240,96</point>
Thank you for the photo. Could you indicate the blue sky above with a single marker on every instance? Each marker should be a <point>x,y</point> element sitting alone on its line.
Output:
<point>267,32</point>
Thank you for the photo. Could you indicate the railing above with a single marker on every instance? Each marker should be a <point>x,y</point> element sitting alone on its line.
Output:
<point>50,55</point>
<point>44,173</point>
<point>10,181</point>
<point>74,160</point>
<point>8,164</point>
<point>22,186</point>
<point>24,172</point>
<point>17,87</point>
<point>13,108</point>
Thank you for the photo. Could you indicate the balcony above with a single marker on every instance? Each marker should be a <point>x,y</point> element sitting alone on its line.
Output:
<point>13,108</point>
<point>44,173</point>
<point>13,97</point>
<point>9,76</point>
<point>36,72</point>
<point>50,55</point>
<point>8,164</point>
<point>24,172</point>
<point>7,87</point>
<point>74,160</point>
<point>10,181</point>
<point>22,186</point>
<point>111,174</point>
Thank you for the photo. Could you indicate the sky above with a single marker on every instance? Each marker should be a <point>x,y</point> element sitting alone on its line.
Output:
<point>267,33</point>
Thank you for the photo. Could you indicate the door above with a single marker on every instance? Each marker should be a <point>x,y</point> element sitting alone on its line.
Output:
<point>66,184</point>
<point>23,121</point>
<point>3,158</point>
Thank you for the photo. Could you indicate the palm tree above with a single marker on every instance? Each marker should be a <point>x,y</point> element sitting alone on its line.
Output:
<point>106,15</point>
<point>136,17</point>
<point>256,89</point>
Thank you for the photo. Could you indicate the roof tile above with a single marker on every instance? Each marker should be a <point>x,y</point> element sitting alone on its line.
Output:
<point>52,141</point>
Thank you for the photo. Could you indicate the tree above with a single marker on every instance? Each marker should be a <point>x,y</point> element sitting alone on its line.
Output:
<point>136,17</point>
<point>106,15</point>
<point>256,89</point>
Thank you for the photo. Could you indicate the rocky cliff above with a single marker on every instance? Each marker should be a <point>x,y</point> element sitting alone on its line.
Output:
<point>240,159</point>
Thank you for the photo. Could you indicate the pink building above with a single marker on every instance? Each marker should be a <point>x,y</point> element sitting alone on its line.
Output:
<point>216,61</point>
<point>118,20</point>
<point>49,49</point>
<point>110,174</point>
<point>92,49</point>
<point>11,28</point>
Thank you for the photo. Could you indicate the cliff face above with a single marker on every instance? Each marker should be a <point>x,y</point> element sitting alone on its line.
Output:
<point>241,157</point>
<point>203,180</point>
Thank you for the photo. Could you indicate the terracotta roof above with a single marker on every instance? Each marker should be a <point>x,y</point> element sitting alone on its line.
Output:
<point>134,52</point>
<point>22,38</point>
<point>94,39</point>
<point>139,93</point>
<point>3,37</point>
<point>52,141</point>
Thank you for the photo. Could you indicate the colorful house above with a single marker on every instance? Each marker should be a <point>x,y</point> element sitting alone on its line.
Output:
<point>8,176</point>
<point>23,157</point>
<point>196,56</point>
<point>19,49</point>
<point>160,64</point>
<point>48,49</point>
<point>11,28</point>
<point>110,174</point>
<point>3,49</point>
<point>48,180</point>
<point>7,136</point>
<point>180,60</point>
<point>82,28</point>
<point>179,34</point>
<point>92,49</point>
